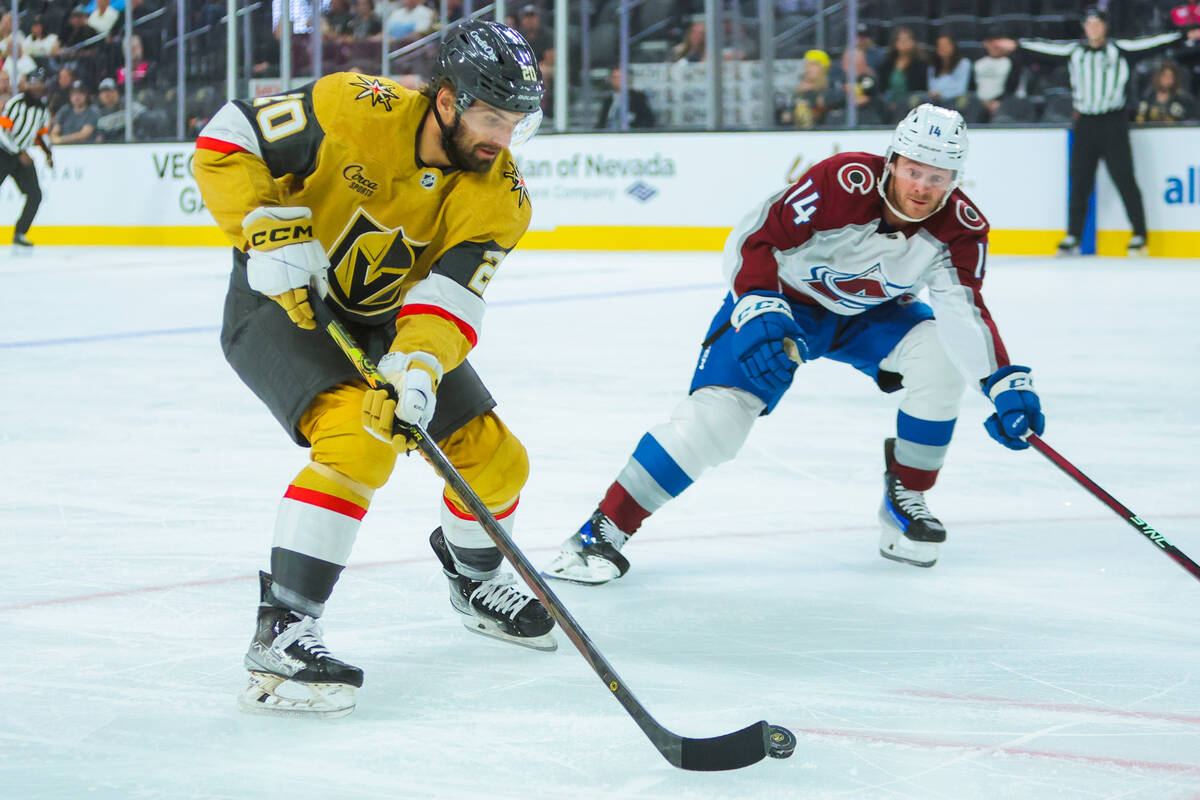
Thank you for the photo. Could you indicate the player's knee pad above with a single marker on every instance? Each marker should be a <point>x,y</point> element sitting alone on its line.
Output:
<point>490,458</point>
<point>933,385</point>
<point>708,427</point>
<point>333,425</point>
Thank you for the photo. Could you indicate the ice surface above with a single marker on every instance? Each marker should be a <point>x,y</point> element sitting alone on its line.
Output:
<point>1051,653</point>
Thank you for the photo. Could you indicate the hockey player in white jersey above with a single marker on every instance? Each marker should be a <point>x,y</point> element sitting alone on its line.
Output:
<point>830,268</point>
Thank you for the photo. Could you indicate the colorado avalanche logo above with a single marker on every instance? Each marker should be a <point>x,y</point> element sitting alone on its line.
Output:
<point>967,215</point>
<point>855,177</point>
<point>860,292</point>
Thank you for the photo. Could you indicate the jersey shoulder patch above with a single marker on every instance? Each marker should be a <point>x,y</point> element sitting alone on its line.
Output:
<point>966,215</point>
<point>852,173</point>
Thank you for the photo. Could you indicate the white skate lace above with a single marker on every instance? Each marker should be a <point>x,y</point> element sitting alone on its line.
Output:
<point>500,595</point>
<point>609,532</point>
<point>911,502</point>
<point>307,633</point>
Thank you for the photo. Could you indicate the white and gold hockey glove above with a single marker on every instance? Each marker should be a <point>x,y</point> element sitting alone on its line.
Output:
<point>283,255</point>
<point>414,378</point>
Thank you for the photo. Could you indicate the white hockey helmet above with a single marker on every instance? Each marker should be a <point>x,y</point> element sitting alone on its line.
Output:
<point>931,135</point>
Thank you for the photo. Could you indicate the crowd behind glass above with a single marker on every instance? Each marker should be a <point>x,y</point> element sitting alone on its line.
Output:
<point>905,52</point>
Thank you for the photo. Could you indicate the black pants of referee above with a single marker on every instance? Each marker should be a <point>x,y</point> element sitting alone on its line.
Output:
<point>1104,136</point>
<point>27,181</point>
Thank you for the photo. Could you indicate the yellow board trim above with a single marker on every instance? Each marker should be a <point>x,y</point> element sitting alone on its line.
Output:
<point>1166,244</point>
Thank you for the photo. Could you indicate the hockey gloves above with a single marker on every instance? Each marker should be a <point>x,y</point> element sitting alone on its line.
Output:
<point>283,255</point>
<point>762,321</point>
<point>1018,410</point>
<point>414,378</point>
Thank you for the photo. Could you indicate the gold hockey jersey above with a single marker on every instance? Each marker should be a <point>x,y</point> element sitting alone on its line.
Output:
<point>406,242</point>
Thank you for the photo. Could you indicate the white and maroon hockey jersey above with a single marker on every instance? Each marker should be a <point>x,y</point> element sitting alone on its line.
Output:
<point>820,242</point>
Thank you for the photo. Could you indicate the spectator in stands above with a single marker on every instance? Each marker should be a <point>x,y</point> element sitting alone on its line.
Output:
<point>77,29</point>
<point>75,122</point>
<point>58,93</point>
<point>410,21</point>
<point>864,92</point>
<point>865,42</point>
<point>40,44</point>
<point>14,60</point>
<point>1166,100</point>
<point>904,76</point>
<point>529,25</point>
<point>111,125</point>
<point>103,17</point>
<point>141,67</point>
<point>996,74</point>
<point>949,74</point>
<point>814,96</point>
<point>364,23</point>
<point>639,113</point>
<point>692,46</point>
<point>335,20</point>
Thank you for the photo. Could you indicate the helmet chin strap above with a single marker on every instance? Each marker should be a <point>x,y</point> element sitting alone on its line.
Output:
<point>448,134</point>
<point>887,171</point>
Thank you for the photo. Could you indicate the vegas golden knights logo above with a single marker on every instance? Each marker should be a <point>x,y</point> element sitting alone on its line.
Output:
<point>368,264</point>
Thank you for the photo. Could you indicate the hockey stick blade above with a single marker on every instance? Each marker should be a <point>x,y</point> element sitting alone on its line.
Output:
<point>1138,524</point>
<point>731,751</point>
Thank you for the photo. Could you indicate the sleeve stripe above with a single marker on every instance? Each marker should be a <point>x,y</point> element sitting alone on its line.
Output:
<point>209,143</point>
<point>230,127</point>
<point>410,309</point>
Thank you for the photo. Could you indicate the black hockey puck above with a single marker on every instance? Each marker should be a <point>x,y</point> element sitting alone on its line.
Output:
<point>781,742</point>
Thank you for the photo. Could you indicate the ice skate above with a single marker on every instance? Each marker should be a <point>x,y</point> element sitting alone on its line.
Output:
<point>1068,247</point>
<point>21,246</point>
<point>291,671</point>
<point>591,555</point>
<point>910,533</point>
<point>1137,247</point>
<point>495,607</point>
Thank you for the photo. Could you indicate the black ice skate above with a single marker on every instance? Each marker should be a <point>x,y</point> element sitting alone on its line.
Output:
<point>591,555</point>
<point>910,533</point>
<point>21,246</point>
<point>1137,246</point>
<point>495,607</point>
<point>291,671</point>
<point>1069,246</point>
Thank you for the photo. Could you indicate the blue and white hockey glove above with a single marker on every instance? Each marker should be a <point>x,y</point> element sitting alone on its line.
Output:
<point>761,322</point>
<point>1018,409</point>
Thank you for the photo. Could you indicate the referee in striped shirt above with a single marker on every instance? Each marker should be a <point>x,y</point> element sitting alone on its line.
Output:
<point>25,121</point>
<point>1099,70</point>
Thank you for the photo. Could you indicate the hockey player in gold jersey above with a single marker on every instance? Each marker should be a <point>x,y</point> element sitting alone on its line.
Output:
<point>402,205</point>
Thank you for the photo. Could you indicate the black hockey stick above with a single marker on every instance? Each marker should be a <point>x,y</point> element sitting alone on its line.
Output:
<point>731,751</point>
<point>1133,519</point>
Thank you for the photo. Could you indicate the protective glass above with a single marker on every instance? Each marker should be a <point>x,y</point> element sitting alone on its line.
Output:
<point>508,128</point>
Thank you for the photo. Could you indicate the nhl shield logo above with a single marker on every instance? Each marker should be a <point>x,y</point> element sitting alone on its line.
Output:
<point>428,180</point>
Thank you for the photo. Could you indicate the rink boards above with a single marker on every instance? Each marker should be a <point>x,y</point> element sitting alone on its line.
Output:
<point>659,191</point>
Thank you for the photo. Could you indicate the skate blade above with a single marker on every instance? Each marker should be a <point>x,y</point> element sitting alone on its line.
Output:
<point>893,556</point>
<point>587,571</point>
<point>277,696</point>
<point>546,642</point>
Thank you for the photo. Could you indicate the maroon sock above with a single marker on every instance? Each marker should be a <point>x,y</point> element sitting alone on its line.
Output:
<point>622,509</point>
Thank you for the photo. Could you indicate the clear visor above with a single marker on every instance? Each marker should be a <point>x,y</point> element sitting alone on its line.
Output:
<point>925,175</point>
<point>503,128</point>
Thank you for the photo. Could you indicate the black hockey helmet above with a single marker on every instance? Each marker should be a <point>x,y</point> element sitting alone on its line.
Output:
<point>490,62</point>
<point>1097,12</point>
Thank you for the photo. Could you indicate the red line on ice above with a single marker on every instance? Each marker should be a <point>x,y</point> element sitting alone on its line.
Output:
<point>719,534</point>
<point>1068,707</point>
<point>1124,763</point>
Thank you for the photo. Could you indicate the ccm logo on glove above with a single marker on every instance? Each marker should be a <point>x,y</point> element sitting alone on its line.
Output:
<point>272,237</point>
